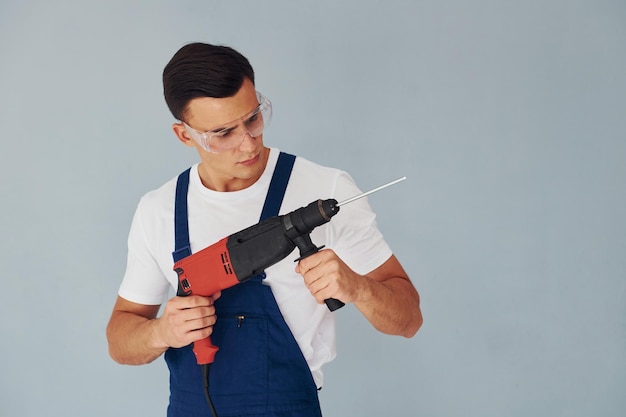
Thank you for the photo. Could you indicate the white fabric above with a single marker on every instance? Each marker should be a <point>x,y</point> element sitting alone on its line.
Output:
<point>352,234</point>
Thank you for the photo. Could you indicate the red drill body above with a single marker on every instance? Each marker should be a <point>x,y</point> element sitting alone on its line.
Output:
<point>205,273</point>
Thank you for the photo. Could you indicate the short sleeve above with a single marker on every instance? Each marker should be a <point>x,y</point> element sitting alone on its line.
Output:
<point>144,282</point>
<point>354,234</point>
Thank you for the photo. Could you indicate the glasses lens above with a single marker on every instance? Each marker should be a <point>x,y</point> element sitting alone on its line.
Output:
<point>232,137</point>
<point>257,122</point>
<point>254,125</point>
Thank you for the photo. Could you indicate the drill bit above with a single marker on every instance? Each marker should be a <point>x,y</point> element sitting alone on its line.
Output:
<point>356,197</point>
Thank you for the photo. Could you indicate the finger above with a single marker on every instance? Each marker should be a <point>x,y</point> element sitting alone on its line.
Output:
<point>201,323</point>
<point>312,276</point>
<point>308,263</point>
<point>201,333</point>
<point>196,313</point>
<point>325,286</point>
<point>192,301</point>
<point>200,301</point>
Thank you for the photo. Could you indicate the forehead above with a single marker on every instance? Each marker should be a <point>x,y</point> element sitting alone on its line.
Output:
<point>206,113</point>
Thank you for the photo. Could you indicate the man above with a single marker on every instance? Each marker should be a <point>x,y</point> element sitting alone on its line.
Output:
<point>274,333</point>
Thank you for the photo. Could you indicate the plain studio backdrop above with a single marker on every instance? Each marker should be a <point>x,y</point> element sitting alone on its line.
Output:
<point>507,117</point>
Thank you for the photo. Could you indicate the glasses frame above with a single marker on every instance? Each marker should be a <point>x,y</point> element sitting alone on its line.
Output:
<point>204,138</point>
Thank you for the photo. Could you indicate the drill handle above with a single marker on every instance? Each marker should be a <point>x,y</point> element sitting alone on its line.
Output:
<point>334,304</point>
<point>308,248</point>
<point>204,349</point>
<point>305,246</point>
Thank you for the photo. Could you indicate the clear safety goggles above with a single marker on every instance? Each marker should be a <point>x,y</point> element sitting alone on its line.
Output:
<point>229,137</point>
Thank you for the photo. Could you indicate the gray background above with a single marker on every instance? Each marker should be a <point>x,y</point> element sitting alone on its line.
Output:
<point>507,117</point>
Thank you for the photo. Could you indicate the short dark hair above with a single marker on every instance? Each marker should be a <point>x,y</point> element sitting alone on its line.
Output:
<point>203,70</point>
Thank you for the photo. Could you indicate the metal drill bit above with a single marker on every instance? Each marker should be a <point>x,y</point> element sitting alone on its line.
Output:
<point>356,197</point>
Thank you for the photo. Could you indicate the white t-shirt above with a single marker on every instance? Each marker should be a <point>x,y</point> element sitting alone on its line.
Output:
<point>352,234</point>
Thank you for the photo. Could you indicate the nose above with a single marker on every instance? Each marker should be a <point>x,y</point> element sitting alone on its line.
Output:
<point>248,143</point>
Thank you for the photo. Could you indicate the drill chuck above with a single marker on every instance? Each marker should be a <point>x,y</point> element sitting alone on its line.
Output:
<point>317,213</point>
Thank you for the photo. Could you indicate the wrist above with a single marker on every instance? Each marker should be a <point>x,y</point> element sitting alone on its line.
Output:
<point>156,340</point>
<point>363,292</point>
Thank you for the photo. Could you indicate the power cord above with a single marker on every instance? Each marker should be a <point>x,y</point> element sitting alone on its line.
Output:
<point>205,382</point>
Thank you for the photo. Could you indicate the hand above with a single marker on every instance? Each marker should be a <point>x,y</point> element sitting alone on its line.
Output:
<point>327,276</point>
<point>385,295</point>
<point>186,319</point>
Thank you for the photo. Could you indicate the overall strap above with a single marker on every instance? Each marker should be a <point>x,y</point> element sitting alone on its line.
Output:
<point>271,207</point>
<point>280,179</point>
<point>182,248</point>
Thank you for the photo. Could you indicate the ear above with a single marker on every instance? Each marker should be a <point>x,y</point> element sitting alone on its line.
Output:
<point>182,135</point>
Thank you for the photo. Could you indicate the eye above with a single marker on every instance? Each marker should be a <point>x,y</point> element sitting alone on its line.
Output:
<point>253,119</point>
<point>224,133</point>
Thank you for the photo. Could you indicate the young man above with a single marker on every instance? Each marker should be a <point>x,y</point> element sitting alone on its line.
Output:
<point>274,332</point>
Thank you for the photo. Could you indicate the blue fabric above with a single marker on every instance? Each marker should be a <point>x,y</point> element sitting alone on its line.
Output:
<point>278,185</point>
<point>181,226</point>
<point>259,370</point>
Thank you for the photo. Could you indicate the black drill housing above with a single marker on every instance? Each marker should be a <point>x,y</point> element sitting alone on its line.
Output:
<point>258,247</point>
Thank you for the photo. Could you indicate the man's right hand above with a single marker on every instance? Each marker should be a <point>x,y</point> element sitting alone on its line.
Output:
<point>136,336</point>
<point>185,320</point>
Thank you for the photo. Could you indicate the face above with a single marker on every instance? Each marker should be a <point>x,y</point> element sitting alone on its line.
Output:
<point>236,168</point>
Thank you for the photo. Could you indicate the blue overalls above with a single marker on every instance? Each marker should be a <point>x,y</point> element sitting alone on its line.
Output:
<point>259,369</point>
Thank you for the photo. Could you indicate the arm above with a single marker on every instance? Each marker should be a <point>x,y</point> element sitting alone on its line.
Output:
<point>136,336</point>
<point>385,296</point>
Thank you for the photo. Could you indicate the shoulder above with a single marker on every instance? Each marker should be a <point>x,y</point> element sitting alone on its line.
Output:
<point>319,181</point>
<point>159,201</point>
<point>308,166</point>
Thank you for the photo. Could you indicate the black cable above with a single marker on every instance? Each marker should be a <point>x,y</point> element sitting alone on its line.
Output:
<point>205,384</point>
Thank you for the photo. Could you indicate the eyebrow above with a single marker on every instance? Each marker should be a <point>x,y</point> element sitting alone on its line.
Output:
<point>220,129</point>
<point>229,126</point>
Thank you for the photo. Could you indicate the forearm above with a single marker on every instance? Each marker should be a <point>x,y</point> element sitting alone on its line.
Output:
<point>133,339</point>
<point>391,306</point>
<point>385,296</point>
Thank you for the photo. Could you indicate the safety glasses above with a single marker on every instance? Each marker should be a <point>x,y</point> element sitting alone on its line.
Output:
<point>231,136</point>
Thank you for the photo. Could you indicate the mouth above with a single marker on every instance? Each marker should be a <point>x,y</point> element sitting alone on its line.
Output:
<point>251,161</point>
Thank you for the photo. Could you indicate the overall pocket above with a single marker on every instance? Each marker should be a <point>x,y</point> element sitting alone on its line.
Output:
<point>241,363</point>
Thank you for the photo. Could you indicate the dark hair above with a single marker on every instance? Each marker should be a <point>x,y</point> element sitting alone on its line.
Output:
<point>203,70</point>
